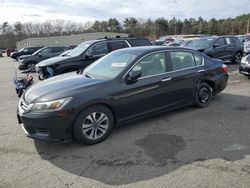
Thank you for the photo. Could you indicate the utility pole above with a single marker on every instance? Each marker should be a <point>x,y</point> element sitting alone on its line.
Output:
<point>248,26</point>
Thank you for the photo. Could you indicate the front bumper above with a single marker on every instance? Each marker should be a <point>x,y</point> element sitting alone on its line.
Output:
<point>21,66</point>
<point>45,72</point>
<point>244,69</point>
<point>51,126</point>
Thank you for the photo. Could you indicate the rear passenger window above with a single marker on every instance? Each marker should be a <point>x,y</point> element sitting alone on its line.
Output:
<point>118,45</point>
<point>152,64</point>
<point>57,49</point>
<point>198,59</point>
<point>182,60</point>
<point>139,42</point>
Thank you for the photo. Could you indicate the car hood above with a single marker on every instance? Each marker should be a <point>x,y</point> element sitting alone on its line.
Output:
<point>57,87</point>
<point>51,61</point>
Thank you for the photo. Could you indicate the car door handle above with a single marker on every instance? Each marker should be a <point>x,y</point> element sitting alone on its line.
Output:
<point>166,79</point>
<point>202,70</point>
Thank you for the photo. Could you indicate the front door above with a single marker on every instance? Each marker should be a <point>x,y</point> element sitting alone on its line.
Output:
<point>152,91</point>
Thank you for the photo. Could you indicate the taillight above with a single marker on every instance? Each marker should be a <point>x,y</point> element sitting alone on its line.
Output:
<point>224,68</point>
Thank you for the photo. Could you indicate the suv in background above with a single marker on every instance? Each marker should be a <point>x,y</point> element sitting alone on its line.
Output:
<point>24,51</point>
<point>30,62</point>
<point>85,54</point>
<point>226,48</point>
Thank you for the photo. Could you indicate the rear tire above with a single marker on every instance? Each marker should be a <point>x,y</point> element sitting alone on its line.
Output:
<point>93,125</point>
<point>204,95</point>
<point>237,58</point>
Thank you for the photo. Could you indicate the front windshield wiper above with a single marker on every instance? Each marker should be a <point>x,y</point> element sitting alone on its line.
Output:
<point>89,76</point>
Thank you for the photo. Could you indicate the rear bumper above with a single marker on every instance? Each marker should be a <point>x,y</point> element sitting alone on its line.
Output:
<point>221,83</point>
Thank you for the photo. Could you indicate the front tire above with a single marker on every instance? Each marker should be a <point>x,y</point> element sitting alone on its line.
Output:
<point>93,125</point>
<point>31,67</point>
<point>203,95</point>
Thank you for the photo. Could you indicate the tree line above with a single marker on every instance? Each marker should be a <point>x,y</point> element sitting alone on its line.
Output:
<point>11,33</point>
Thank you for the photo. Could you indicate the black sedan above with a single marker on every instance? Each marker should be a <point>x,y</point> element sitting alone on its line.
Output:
<point>125,85</point>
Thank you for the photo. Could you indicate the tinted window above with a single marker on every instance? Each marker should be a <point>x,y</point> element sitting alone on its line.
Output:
<point>57,49</point>
<point>233,39</point>
<point>152,64</point>
<point>118,45</point>
<point>182,60</point>
<point>98,49</point>
<point>46,51</point>
<point>220,41</point>
<point>139,42</point>
<point>198,59</point>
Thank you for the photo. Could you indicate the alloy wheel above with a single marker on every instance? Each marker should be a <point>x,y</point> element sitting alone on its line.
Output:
<point>31,67</point>
<point>238,57</point>
<point>95,125</point>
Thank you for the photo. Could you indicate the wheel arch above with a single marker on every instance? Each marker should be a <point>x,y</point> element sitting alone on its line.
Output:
<point>95,104</point>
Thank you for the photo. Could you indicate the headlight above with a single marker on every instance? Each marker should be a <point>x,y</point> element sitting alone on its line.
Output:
<point>50,105</point>
<point>244,60</point>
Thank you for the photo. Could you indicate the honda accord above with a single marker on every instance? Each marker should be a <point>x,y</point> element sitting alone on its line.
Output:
<point>124,85</point>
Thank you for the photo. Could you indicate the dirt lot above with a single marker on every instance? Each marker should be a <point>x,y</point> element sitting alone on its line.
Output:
<point>189,147</point>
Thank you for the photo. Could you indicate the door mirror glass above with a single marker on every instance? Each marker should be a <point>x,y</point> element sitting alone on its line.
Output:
<point>89,55</point>
<point>133,76</point>
<point>216,45</point>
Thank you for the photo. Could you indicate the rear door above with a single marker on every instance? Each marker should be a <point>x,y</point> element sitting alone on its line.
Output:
<point>187,70</point>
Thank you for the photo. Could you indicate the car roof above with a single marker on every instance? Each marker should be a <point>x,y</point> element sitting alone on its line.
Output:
<point>148,49</point>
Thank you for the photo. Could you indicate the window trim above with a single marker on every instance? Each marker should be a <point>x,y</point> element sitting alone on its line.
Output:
<point>173,71</point>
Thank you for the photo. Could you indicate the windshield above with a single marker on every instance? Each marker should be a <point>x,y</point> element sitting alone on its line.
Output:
<point>202,43</point>
<point>80,48</point>
<point>111,65</point>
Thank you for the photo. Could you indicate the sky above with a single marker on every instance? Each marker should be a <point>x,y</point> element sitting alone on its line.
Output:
<point>90,10</point>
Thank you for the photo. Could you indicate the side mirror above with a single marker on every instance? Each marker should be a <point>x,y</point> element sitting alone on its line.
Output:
<point>133,76</point>
<point>89,55</point>
<point>216,45</point>
<point>40,54</point>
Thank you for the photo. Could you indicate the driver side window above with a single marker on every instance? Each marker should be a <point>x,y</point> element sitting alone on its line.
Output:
<point>220,42</point>
<point>98,49</point>
<point>152,64</point>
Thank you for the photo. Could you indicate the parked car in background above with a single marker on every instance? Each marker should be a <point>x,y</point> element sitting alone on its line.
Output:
<point>226,48</point>
<point>9,51</point>
<point>247,48</point>
<point>24,51</point>
<point>159,43</point>
<point>134,83</point>
<point>40,55</point>
<point>244,67</point>
<point>85,54</point>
